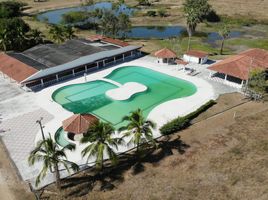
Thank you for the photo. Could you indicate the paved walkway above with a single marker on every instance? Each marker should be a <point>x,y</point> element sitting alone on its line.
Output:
<point>19,136</point>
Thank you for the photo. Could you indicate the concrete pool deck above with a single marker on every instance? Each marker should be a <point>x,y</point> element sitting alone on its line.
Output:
<point>42,104</point>
<point>160,114</point>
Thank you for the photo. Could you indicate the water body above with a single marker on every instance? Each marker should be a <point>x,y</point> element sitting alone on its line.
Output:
<point>138,32</point>
<point>55,16</point>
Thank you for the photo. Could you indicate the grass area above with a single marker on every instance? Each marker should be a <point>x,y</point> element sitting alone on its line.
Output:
<point>249,43</point>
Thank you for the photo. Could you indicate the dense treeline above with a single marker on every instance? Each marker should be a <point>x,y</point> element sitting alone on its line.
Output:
<point>108,22</point>
<point>15,34</point>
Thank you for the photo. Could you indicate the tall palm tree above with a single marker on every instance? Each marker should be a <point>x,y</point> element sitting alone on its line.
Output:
<point>195,11</point>
<point>100,142</point>
<point>48,152</point>
<point>224,32</point>
<point>138,128</point>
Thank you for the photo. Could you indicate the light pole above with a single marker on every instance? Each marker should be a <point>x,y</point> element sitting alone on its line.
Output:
<point>41,127</point>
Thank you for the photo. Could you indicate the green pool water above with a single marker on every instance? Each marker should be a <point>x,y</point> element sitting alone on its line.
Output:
<point>90,97</point>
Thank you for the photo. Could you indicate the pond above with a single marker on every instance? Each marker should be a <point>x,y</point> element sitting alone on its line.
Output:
<point>55,16</point>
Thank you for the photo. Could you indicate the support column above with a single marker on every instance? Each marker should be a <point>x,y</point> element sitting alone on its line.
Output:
<point>114,60</point>
<point>210,74</point>
<point>131,53</point>
<point>225,78</point>
<point>73,73</point>
<point>57,77</point>
<point>97,65</point>
<point>42,82</point>
<point>103,63</point>
<point>85,68</point>
<point>242,83</point>
<point>123,57</point>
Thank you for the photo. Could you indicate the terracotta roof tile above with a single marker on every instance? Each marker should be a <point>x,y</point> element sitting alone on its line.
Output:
<point>165,53</point>
<point>78,123</point>
<point>198,54</point>
<point>14,68</point>
<point>107,39</point>
<point>240,65</point>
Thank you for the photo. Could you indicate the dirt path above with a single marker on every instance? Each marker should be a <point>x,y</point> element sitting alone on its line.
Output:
<point>11,187</point>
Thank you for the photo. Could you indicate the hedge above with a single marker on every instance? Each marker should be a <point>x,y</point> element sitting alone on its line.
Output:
<point>182,122</point>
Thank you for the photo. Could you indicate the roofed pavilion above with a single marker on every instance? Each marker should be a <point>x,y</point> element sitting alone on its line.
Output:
<point>165,56</point>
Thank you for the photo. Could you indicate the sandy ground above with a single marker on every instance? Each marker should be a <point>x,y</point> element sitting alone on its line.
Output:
<point>11,187</point>
<point>222,157</point>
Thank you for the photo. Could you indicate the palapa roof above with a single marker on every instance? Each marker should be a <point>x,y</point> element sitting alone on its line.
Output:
<point>196,53</point>
<point>14,68</point>
<point>240,65</point>
<point>165,53</point>
<point>79,123</point>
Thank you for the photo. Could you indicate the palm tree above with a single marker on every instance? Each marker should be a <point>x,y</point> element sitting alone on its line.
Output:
<point>100,142</point>
<point>57,33</point>
<point>36,36</point>
<point>138,128</point>
<point>69,32</point>
<point>4,39</point>
<point>195,11</point>
<point>224,32</point>
<point>48,152</point>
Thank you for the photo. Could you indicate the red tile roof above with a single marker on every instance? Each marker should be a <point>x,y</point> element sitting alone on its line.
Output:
<point>181,62</point>
<point>198,54</point>
<point>78,123</point>
<point>15,69</point>
<point>240,65</point>
<point>108,40</point>
<point>165,53</point>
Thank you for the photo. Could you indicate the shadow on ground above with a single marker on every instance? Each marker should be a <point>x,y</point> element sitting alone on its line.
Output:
<point>90,180</point>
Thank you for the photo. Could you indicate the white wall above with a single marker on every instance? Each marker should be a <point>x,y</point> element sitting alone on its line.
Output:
<point>192,59</point>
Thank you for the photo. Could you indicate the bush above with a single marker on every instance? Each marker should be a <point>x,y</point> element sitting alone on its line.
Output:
<point>162,12</point>
<point>144,2</point>
<point>74,17</point>
<point>151,13</point>
<point>182,122</point>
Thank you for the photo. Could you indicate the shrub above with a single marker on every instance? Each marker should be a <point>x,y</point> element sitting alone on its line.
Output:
<point>162,12</point>
<point>151,13</point>
<point>182,122</point>
<point>74,17</point>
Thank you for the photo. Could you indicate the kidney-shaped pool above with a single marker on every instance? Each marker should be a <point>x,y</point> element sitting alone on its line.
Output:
<point>91,97</point>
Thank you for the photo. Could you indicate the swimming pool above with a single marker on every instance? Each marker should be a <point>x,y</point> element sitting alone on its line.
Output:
<point>90,97</point>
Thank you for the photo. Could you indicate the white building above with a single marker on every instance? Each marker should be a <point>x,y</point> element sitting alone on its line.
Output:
<point>194,56</point>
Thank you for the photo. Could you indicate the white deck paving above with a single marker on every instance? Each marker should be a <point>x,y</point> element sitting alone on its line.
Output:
<point>24,133</point>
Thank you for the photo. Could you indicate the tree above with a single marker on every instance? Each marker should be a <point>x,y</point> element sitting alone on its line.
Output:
<point>48,152</point>
<point>69,32</point>
<point>10,9</point>
<point>124,24</point>
<point>57,33</point>
<point>36,36</point>
<point>224,32</point>
<point>100,142</point>
<point>138,128</point>
<point>13,33</point>
<point>257,81</point>
<point>195,11</point>
<point>109,24</point>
